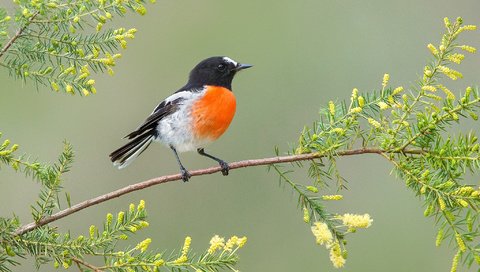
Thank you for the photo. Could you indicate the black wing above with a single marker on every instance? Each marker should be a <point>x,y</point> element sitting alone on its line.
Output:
<point>162,110</point>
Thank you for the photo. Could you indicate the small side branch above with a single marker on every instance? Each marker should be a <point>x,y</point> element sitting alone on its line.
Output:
<point>207,171</point>
<point>19,32</point>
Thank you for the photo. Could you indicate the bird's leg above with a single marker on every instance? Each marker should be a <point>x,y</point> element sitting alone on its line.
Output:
<point>183,171</point>
<point>222,163</point>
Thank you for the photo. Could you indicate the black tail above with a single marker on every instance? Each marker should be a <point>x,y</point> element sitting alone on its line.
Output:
<point>123,156</point>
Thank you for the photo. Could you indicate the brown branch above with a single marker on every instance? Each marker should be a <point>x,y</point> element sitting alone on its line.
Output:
<point>164,179</point>
<point>80,262</point>
<point>19,32</point>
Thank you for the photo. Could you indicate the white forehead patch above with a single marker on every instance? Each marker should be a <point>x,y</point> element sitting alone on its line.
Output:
<point>227,59</point>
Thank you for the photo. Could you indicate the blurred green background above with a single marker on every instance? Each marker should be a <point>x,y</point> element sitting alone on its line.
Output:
<point>305,53</point>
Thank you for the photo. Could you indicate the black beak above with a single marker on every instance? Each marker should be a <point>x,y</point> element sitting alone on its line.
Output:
<point>241,66</point>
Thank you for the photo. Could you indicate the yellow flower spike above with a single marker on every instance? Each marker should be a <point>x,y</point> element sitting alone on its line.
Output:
<point>82,76</point>
<point>442,204</point>
<point>456,58</point>
<point>7,18</point>
<point>354,94</point>
<point>230,243</point>
<point>120,216</point>
<point>54,86</point>
<point>467,48</point>
<point>386,78</point>
<point>397,90</point>
<point>361,101</point>
<point>356,110</point>
<point>143,245</point>
<point>241,242</point>
<point>95,52</point>
<point>455,260</point>
<point>331,107</point>
<point>85,92</point>
<point>374,123</point>
<point>131,208</point>
<point>336,256</point>
<point>332,197</point>
<point>432,49</point>
<point>339,131</point>
<point>133,229</point>
<point>91,231</point>
<point>69,89</point>
<point>141,10</point>
<point>429,88</point>
<point>449,93</point>
<point>109,218</point>
<point>447,23</point>
<point>322,233</point>
<point>90,82</point>
<point>110,71</point>
<point>451,73</point>
<point>108,15</point>
<point>99,27</point>
<point>462,203</point>
<point>382,105</point>
<point>180,260</point>
<point>93,90</point>
<point>159,263</point>
<point>186,245</point>
<point>123,44</point>
<point>312,189</point>
<point>215,243</point>
<point>356,220</point>
<point>439,239</point>
<point>306,215</point>
<point>141,205</point>
<point>460,242</point>
<point>65,265</point>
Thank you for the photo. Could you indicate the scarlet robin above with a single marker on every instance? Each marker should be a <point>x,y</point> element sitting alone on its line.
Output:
<point>194,116</point>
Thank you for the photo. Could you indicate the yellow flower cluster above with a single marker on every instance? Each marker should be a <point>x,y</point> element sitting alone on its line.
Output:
<point>429,88</point>
<point>451,73</point>
<point>449,93</point>
<point>374,123</point>
<point>331,107</point>
<point>382,105</point>
<point>336,256</point>
<point>456,57</point>
<point>354,221</point>
<point>386,78</point>
<point>186,247</point>
<point>322,233</point>
<point>432,49</point>
<point>143,245</point>
<point>216,242</point>
<point>332,197</point>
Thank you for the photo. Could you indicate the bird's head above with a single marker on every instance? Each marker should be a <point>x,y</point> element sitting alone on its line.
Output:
<point>217,71</point>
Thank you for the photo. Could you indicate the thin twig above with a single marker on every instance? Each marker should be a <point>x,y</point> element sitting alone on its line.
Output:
<point>164,179</point>
<point>19,32</point>
<point>81,262</point>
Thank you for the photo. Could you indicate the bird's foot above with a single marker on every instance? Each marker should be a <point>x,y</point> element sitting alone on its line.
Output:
<point>185,174</point>
<point>225,167</point>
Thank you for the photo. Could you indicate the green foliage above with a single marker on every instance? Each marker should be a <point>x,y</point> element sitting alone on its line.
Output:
<point>46,244</point>
<point>409,128</point>
<point>58,43</point>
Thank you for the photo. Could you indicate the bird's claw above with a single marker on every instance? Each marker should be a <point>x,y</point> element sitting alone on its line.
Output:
<point>225,168</point>
<point>185,174</point>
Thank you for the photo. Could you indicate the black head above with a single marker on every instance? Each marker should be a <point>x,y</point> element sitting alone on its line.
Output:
<point>217,71</point>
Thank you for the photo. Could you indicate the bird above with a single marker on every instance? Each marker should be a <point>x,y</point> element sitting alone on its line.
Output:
<point>192,117</point>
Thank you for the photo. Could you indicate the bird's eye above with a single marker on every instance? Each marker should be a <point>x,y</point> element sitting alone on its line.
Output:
<point>221,67</point>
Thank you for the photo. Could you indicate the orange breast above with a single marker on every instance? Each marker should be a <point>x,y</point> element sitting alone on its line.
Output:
<point>213,113</point>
